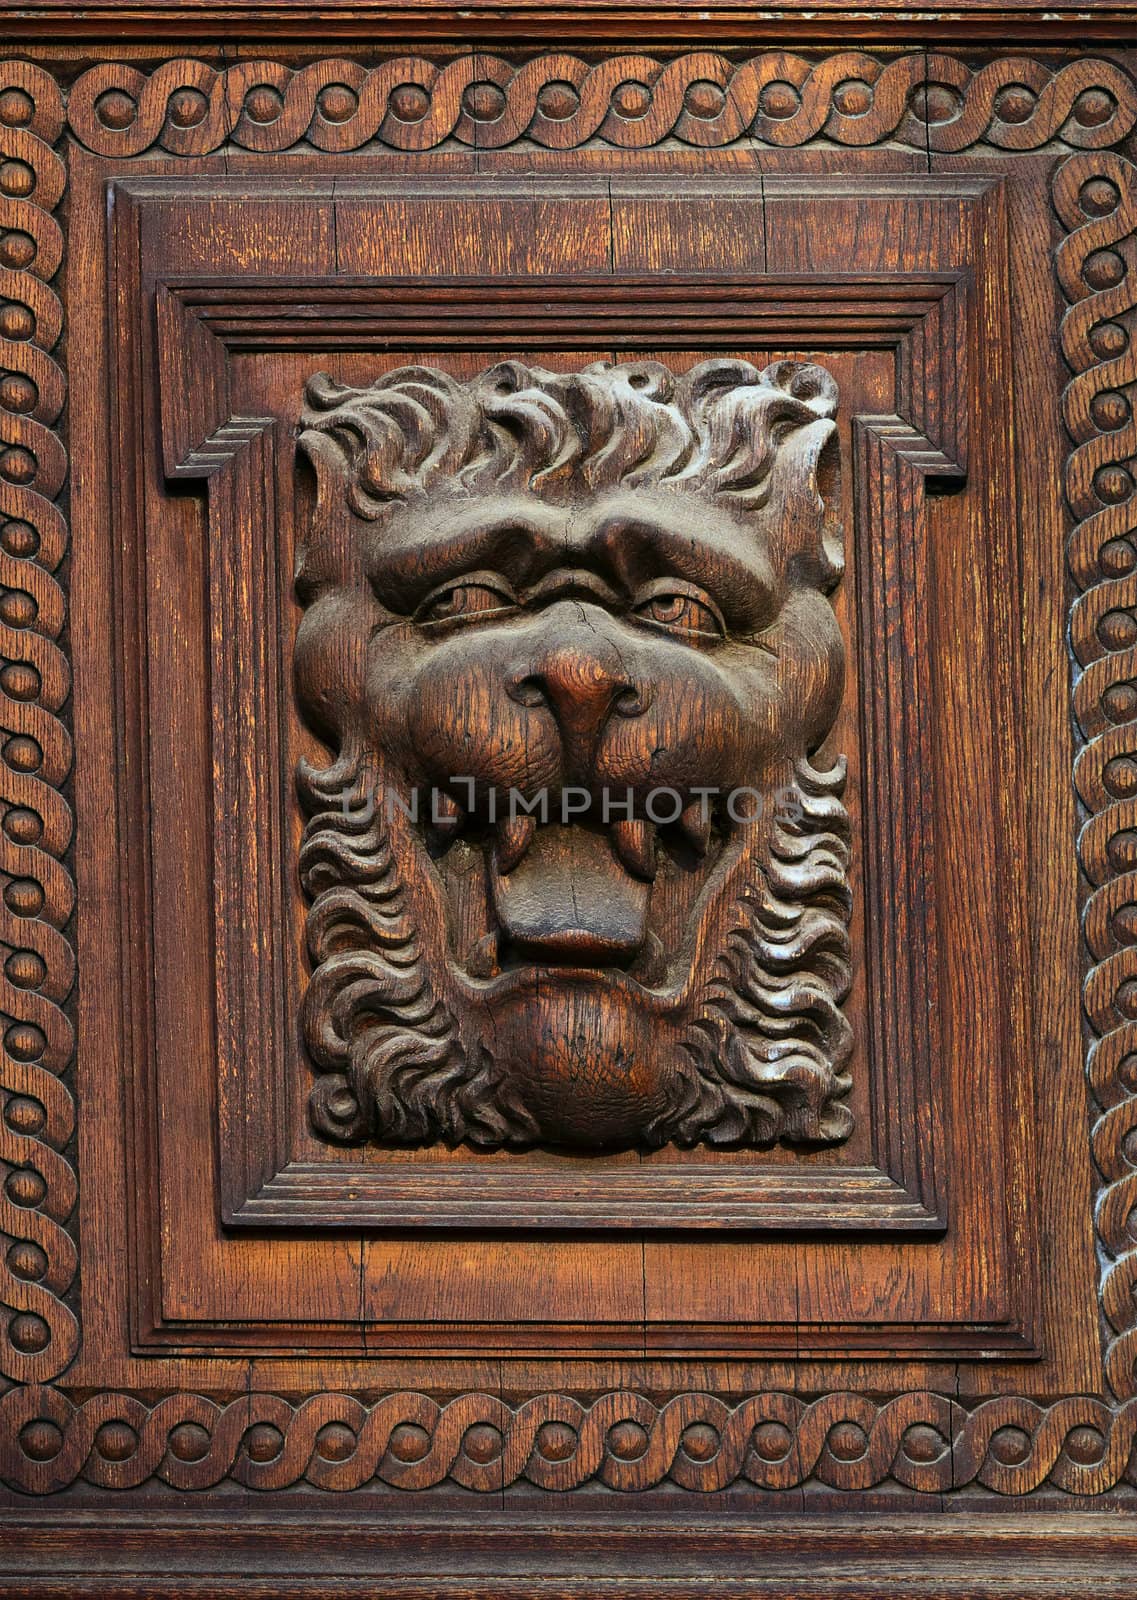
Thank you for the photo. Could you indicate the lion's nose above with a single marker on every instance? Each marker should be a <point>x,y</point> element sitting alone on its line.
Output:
<point>582,682</point>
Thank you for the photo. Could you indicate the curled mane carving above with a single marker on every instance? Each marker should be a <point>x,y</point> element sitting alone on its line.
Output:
<point>771,1045</point>
<point>392,1064</point>
<point>615,576</point>
<point>715,430</point>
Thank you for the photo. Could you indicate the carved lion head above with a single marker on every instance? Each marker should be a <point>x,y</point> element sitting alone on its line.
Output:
<point>573,877</point>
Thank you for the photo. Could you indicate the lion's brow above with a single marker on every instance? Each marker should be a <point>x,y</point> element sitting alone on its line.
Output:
<point>625,543</point>
<point>448,545</point>
<point>637,547</point>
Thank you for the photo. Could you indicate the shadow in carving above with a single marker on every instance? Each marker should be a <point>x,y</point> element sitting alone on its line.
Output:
<point>577,875</point>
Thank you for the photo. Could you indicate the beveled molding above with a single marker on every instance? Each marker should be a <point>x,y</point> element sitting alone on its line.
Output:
<point>923,321</point>
<point>1081,1445</point>
<point>581,22</point>
<point>592,22</point>
<point>497,1556</point>
<point>919,323</point>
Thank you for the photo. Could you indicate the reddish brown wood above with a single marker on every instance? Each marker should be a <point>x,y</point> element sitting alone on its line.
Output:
<point>905,1318</point>
<point>726,1195</point>
<point>884,1556</point>
<point>294,23</point>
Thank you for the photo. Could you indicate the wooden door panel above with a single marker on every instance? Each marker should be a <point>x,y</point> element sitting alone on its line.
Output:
<point>735,416</point>
<point>257,356</point>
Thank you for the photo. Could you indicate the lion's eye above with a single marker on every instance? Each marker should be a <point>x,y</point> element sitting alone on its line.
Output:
<point>475,596</point>
<point>681,608</point>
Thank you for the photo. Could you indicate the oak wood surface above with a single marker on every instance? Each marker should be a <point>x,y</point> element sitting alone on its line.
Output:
<point>256,402</point>
<point>674,1384</point>
<point>810,1557</point>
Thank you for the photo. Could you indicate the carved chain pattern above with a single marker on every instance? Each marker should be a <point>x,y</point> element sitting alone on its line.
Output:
<point>40,1334</point>
<point>632,101</point>
<point>1096,197</point>
<point>926,1442</point>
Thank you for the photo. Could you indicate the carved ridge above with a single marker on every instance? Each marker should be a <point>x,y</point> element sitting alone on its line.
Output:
<point>1096,198</point>
<point>40,1334</point>
<point>633,101</point>
<point>926,1442</point>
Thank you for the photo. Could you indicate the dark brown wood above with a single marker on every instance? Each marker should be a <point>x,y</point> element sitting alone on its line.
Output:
<point>621,1335</point>
<point>882,1557</point>
<point>272,1171</point>
<point>869,313</point>
<point>295,23</point>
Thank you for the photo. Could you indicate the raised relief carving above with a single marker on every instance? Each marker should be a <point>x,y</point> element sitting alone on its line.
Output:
<point>706,99</point>
<point>1096,199</point>
<point>926,1442</point>
<point>574,877</point>
<point>39,1330</point>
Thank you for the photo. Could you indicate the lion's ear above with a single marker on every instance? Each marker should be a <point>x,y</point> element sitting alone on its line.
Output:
<point>330,661</point>
<point>827,488</point>
<point>315,499</point>
<point>811,665</point>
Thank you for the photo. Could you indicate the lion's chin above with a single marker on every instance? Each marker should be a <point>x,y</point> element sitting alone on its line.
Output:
<point>587,1054</point>
<point>569,900</point>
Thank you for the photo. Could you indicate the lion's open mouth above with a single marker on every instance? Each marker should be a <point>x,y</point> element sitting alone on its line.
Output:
<point>572,894</point>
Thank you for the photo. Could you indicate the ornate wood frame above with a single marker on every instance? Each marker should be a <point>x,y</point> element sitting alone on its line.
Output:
<point>212,430</point>
<point>1080,113</point>
<point>203,325</point>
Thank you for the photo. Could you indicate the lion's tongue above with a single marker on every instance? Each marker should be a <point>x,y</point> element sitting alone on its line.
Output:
<point>570,899</point>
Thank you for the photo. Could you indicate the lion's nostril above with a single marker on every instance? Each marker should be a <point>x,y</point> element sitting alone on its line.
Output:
<point>591,695</point>
<point>528,692</point>
<point>630,702</point>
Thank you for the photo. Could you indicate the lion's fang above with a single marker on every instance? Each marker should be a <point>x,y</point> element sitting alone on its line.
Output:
<point>514,836</point>
<point>695,824</point>
<point>635,845</point>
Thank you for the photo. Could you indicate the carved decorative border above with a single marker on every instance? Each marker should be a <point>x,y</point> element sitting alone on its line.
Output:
<point>1096,198</point>
<point>558,101</point>
<point>40,1334</point>
<point>924,1441</point>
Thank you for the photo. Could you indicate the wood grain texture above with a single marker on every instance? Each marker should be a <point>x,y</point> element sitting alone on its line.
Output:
<point>133,25</point>
<point>820,1556</point>
<point>251,365</point>
<point>815,1431</point>
<point>775,1441</point>
<point>1096,199</point>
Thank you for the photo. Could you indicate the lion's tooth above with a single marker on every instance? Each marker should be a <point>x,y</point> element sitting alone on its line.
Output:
<point>514,836</point>
<point>483,961</point>
<point>445,813</point>
<point>695,824</point>
<point>635,846</point>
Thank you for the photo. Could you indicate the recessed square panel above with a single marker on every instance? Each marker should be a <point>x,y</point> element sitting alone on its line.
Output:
<point>416,1009</point>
